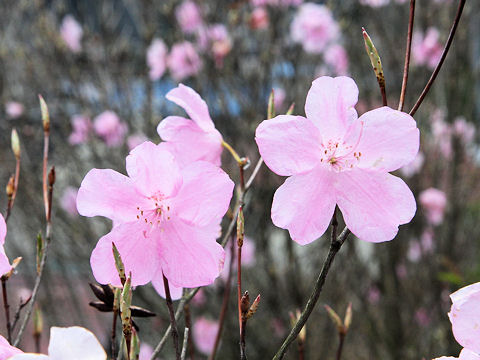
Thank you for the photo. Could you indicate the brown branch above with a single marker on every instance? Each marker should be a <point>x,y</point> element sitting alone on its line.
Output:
<point>340,345</point>
<point>407,55</point>
<point>173,322</point>
<point>6,308</point>
<point>113,334</point>
<point>424,93</point>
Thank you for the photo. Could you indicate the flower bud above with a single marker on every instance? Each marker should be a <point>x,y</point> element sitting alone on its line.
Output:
<point>245,303</point>
<point>10,188</point>
<point>374,58</point>
<point>45,114</point>
<point>15,144</point>
<point>348,317</point>
<point>119,264</point>
<point>37,321</point>
<point>254,307</point>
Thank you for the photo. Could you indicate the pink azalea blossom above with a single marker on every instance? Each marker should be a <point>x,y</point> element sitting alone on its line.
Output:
<point>314,27</point>
<point>465,354</point>
<point>464,130</point>
<point>195,138</point>
<point>14,109</point>
<point>220,41</point>
<point>259,20</point>
<point>157,59</point>
<point>166,218</point>
<point>337,59</point>
<point>68,201</point>
<point>334,158</point>
<point>134,140</point>
<point>4,263</point>
<point>434,202</point>
<point>82,126</point>
<point>183,61</point>
<point>7,350</point>
<point>413,167</point>
<point>176,292</point>
<point>414,251</point>
<point>189,17</point>
<point>71,32</point>
<point>146,352</point>
<point>248,256</point>
<point>442,133</point>
<point>108,126</point>
<point>204,333</point>
<point>279,98</point>
<point>427,50</point>
<point>72,343</point>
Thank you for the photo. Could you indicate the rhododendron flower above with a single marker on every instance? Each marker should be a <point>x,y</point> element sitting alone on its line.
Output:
<point>334,158</point>
<point>108,126</point>
<point>68,201</point>
<point>189,17</point>
<point>413,167</point>
<point>220,41</point>
<point>204,334</point>
<point>427,50</point>
<point>195,138</point>
<point>4,263</point>
<point>183,61</point>
<point>82,126</point>
<point>157,59</point>
<point>337,59</point>
<point>465,354</point>
<point>7,350</point>
<point>71,32</point>
<point>259,20</point>
<point>72,343</point>
<point>464,130</point>
<point>314,27</point>
<point>434,201</point>
<point>134,140</point>
<point>14,109</point>
<point>166,218</point>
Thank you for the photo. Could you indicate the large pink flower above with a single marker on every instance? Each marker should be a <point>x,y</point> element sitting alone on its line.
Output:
<point>7,350</point>
<point>334,158</point>
<point>4,263</point>
<point>195,138</point>
<point>166,218</point>
<point>183,61</point>
<point>465,354</point>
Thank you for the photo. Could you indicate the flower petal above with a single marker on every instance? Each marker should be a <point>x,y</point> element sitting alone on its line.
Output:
<point>205,194</point>
<point>105,192</point>
<point>289,144</point>
<point>193,104</point>
<point>29,356</point>
<point>7,350</point>
<point>190,143</point>
<point>390,139</point>
<point>153,170</point>
<point>190,256</point>
<point>304,205</point>
<point>3,230</point>
<point>373,203</point>
<point>74,343</point>
<point>330,105</point>
<point>137,244</point>
<point>157,282</point>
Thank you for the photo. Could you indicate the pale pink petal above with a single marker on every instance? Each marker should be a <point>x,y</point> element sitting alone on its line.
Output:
<point>28,357</point>
<point>146,352</point>
<point>467,354</point>
<point>390,139</point>
<point>304,205</point>
<point>205,194</point>
<point>190,256</point>
<point>190,143</point>
<point>3,230</point>
<point>373,203</point>
<point>204,334</point>
<point>137,244</point>
<point>74,343</point>
<point>7,350</point>
<point>193,104</point>
<point>4,262</point>
<point>153,170</point>
<point>157,282</point>
<point>330,105</point>
<point>289,144</point>
<point>105,192</point>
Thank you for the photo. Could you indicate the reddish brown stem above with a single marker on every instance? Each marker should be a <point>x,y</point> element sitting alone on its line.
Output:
<point>407,55</point>
<point>340,346</point>
<point>188,324</point>
<point>173,322</point>
<point>301,350</point>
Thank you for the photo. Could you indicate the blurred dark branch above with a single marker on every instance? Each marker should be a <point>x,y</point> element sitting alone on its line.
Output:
<point>407,55</point>
<point>173,322</point>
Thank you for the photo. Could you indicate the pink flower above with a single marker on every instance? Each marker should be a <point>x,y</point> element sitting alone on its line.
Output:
<point>14,109</point>
<point>259,20</point>
<point>434,201</point>
<point>401,271</point>
<point>204,333</point>
<point>68,202</point>
<point>414,251</point>
<point>108,126</point>
<point>334,158</point>
<point>134,140</point>
<point>465,354</point>
<point>373,295</point>
<point>422,317</point>
<point>72,343</point>
<point>427,50</point>
<point>82,126</point>
<point>183,61</point>
<point>157,59</point>
<point>336,57</point>
<point>464,130</point>
<point>248,256</point>
<point>314,27</point>
<point>166,218</point>
<point>375,3</point>
<point>71,33</point>
<point>146,352</point>
<point>279,98</point>
<point>195,138</point>
<point>199,299</point>
<point>220,41</point>
<point>427,240</point>
<point>414,166</point>
<point>4,263</point>
<point>176,292</point>
<point>189,17</point>
<point>7,350</point>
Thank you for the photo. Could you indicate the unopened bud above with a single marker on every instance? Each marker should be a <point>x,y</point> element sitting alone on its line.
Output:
<point>254,307</point>
<point>10,188</point>
<point>45,114</point>
<point>271,105</point>
<point>374,58</point>
<point>37,321</point>
<point>290,109</point>
<point>51,176</point>
<point>245,303</point>
<point>119,264</point>
<point>135,346</point>
<point>240,227</point>
<point>335,318</point>
<point>15,144</point>
<point>15,263</point>
<point>348,317</point>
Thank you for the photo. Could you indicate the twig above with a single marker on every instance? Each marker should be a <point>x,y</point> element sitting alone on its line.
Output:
<point>20,307</point>
<point>340,345</point>
<point>113,335</point>
<point>424,93</point>
<point>188,324</point>
<point>335,246</point>
<point>6,308</point>
<point>407,55</point>
<point>184,346</point>
<point>173,322</point>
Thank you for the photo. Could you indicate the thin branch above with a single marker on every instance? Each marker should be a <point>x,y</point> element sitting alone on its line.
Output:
<point>188,324</point>
<point>184,346</point>
<point>340,345</point>
<point>424,93</point>
<point>6,308</point>
<point>173,321</point>
<point>113,334</point>
<point>407,55</point>
<point>20,307</point>
<point>335,246</point>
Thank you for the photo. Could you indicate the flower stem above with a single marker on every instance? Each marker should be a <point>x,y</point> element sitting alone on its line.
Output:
<point>185,344</point>
<point>114,334</point>
<point>173,322</point>
<point>407,55</point>
<point>340,346</point>
<point>6,308</point>
<point>232,152</point>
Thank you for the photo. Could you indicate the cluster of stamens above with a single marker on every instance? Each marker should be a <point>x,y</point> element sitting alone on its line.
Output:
<point>339,155</point>
<point>155,216</point>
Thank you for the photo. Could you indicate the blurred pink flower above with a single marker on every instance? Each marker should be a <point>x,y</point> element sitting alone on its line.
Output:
<point>401,271</point>
<point>283,3</point>
<point>314,27</point>
<point>413,167</point>
<point>183,61</point>
<point>442,133</point>
<point>414,251</point>
<point>464,130</point>
<point>427,50</point>
<point>279,98</point>
<point>259,20</point>
<point>248,256</point>
<point>465,317</point>
<point>14,109</point>
<point>189,17</point>
<point>195,138</point>
<point>334,158</point>
<point>134,140</point>
<point>465,354</point>
<point>427,240</point>
<point>71,32</point>
<point>4,263</point>
<point>163,224</point>
<point>157,59</point>
<point>7,350</point>
<point>278,327</point>
<point>108,126</point>
<point>422,317</point>
<point>434,202</point>
<point>375,3</point>
<point>82,126</point>
<point>220,41</point>
<point>68,202</point>
<point>336,57</point>
<point>373,295</point>
<point>204,333</point>
<point>146,352</point>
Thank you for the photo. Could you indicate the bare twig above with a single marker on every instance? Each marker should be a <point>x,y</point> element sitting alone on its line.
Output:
<point>184,346</point>
<point>453,29</point>
<point>340,345</point>
<point>20,307</point>
<point>173,322</point>
<point>407,55</point>
<point>6,308</point>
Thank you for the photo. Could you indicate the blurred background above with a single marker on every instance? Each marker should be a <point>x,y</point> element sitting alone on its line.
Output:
<point>104,68</point>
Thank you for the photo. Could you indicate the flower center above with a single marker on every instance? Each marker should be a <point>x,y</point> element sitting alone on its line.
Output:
<point>339,155</point>
<point>158,213</point>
